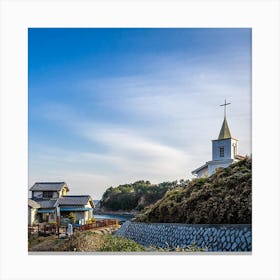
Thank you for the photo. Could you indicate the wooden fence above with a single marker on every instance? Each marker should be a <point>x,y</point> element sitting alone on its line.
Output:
<point>47,229</point>
<point>98,224</point>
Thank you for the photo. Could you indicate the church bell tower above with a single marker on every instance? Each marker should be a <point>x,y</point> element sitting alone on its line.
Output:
<point>224,150</point>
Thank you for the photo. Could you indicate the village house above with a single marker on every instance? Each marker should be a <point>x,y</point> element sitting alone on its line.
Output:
<point>49,200</point>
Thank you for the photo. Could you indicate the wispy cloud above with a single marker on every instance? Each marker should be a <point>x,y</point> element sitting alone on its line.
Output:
<point>156,125</point>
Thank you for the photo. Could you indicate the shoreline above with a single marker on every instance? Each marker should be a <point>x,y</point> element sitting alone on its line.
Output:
<point>108,212</point>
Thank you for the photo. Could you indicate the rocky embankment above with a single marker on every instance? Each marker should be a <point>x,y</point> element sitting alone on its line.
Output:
<point>213,238</point>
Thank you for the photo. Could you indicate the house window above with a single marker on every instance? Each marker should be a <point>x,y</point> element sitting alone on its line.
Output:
<point>47,194</point>
<point>222,151</point>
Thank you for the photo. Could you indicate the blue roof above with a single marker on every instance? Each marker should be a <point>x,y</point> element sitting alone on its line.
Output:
<point>75,208</point>
<point>46,210</point>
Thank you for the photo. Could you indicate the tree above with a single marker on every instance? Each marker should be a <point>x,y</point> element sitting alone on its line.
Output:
<point>72,217</point>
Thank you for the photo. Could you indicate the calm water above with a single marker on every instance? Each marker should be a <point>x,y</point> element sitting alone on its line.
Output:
<point>120,218</point>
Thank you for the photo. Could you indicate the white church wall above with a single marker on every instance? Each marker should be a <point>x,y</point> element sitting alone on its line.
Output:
<point>202,173</point>
<point>234,147</point>
<point>213,166</point>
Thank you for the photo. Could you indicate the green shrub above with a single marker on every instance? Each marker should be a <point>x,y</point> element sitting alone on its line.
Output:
<point>225,197</point>
<point>120,244</point>
<point>72,217</point>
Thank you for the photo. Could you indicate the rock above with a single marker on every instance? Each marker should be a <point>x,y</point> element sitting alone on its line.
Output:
<point>247,234</point>
<point>234,245</point>
<point>228,246</point>
<point>243,246</point>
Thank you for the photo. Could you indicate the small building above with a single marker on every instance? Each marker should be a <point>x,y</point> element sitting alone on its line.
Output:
<point>81,205</point>
<point>224,151</point>
<point>50,200</point>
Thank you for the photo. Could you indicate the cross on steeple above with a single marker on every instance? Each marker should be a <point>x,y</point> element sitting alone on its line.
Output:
<point>225,104</point>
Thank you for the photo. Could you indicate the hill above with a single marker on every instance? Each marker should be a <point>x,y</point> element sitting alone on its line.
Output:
<point>133,197</point>
<point>225,197</point>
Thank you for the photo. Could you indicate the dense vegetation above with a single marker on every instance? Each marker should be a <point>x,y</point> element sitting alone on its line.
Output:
<point>224,197</point>
<point>134,196</point>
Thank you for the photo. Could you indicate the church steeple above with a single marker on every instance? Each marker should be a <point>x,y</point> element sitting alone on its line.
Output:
<point>224,132</point>
<point>224,151</point>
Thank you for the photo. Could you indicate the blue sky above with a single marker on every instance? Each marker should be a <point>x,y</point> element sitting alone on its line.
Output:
<point>112,106</point>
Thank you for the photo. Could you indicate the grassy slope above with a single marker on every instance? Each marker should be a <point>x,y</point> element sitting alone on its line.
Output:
<point>224,197</point>
<point>86,241</point>
<point>89,241</point>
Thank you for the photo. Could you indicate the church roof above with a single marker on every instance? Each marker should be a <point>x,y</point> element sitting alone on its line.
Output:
<point>224,132</point>
<point>204,166</point>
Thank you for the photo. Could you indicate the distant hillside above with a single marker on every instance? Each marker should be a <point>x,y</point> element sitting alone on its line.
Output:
<point>133,196</point>
<point>224,197</point>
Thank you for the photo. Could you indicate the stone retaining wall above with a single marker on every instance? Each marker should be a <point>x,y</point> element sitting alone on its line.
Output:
<point>210,237</point>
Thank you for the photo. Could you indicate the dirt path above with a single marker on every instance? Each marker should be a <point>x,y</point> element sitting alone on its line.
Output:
<point>89,240</point>
<point>49,243</point>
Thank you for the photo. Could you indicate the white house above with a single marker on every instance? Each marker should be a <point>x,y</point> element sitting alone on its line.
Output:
<point>50,199</point>
<point>224,151</point>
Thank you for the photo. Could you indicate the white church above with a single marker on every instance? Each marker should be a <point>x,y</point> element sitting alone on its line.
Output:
<point>224,151</point>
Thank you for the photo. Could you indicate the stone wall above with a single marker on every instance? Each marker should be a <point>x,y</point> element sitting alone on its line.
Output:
<point>216,238</point>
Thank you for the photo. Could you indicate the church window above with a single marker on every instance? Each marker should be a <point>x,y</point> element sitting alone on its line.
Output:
<point>222,151</point>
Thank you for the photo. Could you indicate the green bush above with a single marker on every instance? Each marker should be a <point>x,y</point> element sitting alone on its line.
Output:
<point>120,244</point>
<point>72,217</point>
<point>225,197</point>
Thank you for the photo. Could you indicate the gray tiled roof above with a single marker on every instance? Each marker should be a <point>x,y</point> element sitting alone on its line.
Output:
<point>73,200</point>
<point>33,203</point>
<point>47,203</point>
<point>48,186</point>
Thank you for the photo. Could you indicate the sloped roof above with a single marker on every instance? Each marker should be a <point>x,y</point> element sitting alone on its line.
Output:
<point>48,186</point>
<point>50,203</point>
<point>239,157</point>
<point>199,168</point>
<point>75,200</point>
<point>224,132</point>
<point>32,203</point>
